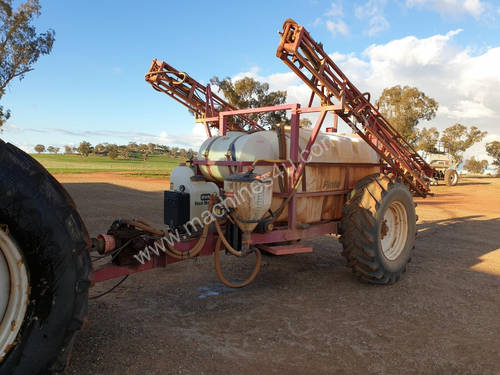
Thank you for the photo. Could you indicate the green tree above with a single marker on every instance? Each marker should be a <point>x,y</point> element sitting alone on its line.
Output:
<point>53,150</point>
<point>124,152</point>
<point>174,151</point>
<point>493,150</point>
<point>249,93</point>
<point>84,149</point>
<point>427,140</point>
<point>110,147</point>
<point>39,148</point>
<point>151,148</point>
<point>165,149</point>
<point>133,146</point>
<point>68,149</point>
<point>456,139</point>
<point>305,123</point>
<point>183,153</point>
<point>20,45</point>
<point>475,166</point>
<point>404,107</point>
<point>190,154</point>
<point>100,148</point>
<point>113,154</point>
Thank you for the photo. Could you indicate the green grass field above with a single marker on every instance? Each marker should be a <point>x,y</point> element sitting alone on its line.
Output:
<point>155,166</point>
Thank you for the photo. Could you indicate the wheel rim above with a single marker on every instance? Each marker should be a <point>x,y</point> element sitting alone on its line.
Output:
<point>394,230</point>
<point>14,292</point>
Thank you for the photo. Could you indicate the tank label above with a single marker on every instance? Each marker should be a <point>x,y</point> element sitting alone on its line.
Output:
<point>204,200</point>
<point>331,184</point>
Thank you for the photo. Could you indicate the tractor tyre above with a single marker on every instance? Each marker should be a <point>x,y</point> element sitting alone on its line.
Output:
<point>378,229</point>
<point>44,268</point>
<point>451,177</point>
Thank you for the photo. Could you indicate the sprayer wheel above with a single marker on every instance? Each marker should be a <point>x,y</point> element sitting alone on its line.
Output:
<point>40,226</point>
<point>378,229</point>
<point>451,177</point>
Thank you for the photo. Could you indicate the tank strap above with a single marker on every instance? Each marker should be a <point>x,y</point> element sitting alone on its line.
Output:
<point>283,176</point>
<point>231,152</point>
<point>207,151</point>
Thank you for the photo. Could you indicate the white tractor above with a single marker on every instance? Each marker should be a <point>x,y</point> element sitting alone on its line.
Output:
<point>444,167</point>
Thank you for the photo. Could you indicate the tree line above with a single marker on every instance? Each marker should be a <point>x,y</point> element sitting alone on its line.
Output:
<point>406,106</point>
<point>132,150</point>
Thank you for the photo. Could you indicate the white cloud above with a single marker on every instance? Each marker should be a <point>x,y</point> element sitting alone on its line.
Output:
<point>193,140</point>
<point>333,20</point>
<point>467,109</point>
<point>317,22</point>
<point>464,84</point>
<point>373,13</point>
<point>338,27</point>
<point>10,127</point>
<point>451,7</point>
<point>336,10</point>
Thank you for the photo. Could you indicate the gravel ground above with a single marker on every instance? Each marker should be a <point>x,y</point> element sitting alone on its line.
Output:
<point>305,313</point>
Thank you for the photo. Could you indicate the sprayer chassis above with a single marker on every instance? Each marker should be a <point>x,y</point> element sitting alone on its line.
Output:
<point>295,166</point>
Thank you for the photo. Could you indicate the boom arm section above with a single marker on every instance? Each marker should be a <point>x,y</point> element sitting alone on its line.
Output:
<point>310,62</point>
<point>199,99</point>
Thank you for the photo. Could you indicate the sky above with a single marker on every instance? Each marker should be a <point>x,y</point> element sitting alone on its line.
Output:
<point>91,87</point>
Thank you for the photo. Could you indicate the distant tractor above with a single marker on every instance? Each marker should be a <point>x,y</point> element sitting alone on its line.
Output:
<point>251,189</point>
<point>444,168</point>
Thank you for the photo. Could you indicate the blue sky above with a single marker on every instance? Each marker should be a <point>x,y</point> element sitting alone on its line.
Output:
<point>91,87</point>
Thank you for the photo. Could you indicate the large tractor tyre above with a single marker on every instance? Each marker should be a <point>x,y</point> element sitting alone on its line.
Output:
<point>378,229</point>
<point>451,177</point>
<point>44,268</point>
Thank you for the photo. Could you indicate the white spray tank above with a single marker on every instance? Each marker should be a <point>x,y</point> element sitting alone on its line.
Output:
<point>239,146</point>
<point>328,167</point>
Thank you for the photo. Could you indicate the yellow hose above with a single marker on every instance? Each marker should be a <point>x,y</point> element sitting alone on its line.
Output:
<point>225,242</point>
<point>223,279</point>
<point>141,224</point>
<point>191,253</point>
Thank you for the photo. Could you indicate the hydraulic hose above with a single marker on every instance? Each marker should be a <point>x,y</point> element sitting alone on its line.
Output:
<point>221,276</point>
<point>141,224</point>
<point>191,253</point>
<point>225,242</point>
<point>171,250</point>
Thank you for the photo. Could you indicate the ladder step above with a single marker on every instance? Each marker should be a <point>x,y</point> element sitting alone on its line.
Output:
<point>286,249</point>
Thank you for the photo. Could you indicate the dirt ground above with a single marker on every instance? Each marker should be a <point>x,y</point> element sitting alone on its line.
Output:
<point>305,313</point>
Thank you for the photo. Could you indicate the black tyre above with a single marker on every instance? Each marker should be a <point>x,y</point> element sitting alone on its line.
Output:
<point>44,228</point>
<point>378,229</point>
<point>451,177</point>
